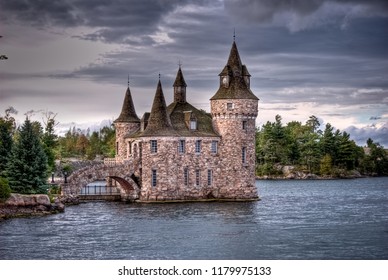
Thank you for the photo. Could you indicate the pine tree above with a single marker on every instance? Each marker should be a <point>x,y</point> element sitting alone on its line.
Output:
<point>5,145</point>
<point>27,167</point>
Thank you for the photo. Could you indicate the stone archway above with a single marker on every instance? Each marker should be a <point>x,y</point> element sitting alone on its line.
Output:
<point>120,172</point>
<point>129,189</point>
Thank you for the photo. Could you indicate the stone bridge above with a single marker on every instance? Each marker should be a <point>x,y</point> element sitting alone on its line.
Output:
<point>119,171</point>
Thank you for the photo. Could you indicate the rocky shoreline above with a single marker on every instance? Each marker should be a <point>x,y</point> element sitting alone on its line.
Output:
<point>19,205</point>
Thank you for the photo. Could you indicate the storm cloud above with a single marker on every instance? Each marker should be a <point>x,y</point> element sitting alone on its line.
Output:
<point>327,58</point>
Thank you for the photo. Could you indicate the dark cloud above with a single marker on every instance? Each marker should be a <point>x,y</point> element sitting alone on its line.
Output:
<point>113,20</point>
<point>266,10</point>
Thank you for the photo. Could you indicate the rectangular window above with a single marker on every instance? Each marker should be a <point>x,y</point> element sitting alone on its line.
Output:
<point>197,177</point>
<point>186,176</point>
<point>153,177</point>
<point>193,124</point>
<point>209,177</point>
<point>244,155</point>
<point>182,146</point>
<point>154,146</point>
<point>229,106</point>
<point>198,146</point>
<point>214,147</point>
<point>244,125</point>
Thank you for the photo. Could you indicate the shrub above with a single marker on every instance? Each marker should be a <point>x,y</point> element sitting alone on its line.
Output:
<point>5,190</point>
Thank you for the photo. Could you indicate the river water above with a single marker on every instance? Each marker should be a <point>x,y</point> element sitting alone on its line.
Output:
<point>328,219</point>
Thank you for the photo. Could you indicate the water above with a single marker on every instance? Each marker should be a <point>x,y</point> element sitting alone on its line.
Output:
<point>338,219</point>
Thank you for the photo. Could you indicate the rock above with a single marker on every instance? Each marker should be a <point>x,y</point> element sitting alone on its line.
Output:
<point>29,200</point>
<point>59,206</point>
<point>15,200</point>
<point>43,199</point>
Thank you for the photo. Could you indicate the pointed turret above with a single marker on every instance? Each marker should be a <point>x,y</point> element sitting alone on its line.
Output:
<point>180,87</point>
<point>159,123</point>
<point>234,79</point>
<point>128,113</point>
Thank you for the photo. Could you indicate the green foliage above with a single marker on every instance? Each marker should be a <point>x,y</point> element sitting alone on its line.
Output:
<point>85,145</point>
<point>7,127</point>
<point>326,153</point>
<point>5,190</point>
<point>27,166</point>
<point>326,166</point>
<point>375,161</point>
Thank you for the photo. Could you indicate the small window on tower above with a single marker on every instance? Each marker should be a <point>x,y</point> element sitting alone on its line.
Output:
<point>229,106</point>
<point>244,125</point>
<point>244,155</point>
<point>153,177</point>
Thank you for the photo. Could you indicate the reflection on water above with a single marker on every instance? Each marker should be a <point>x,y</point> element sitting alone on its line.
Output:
<point>345,219</point>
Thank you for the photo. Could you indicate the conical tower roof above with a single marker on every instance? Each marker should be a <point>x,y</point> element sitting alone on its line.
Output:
<point>179,80</point>
<point>159,123</point>
<point>234,61</point>
<point>128,113</point>
<point>236,71</point>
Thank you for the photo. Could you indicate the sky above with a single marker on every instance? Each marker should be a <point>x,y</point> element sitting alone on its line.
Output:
<point>306,57</point>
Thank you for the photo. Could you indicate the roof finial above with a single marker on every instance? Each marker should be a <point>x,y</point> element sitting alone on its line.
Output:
<point>128,80</point>
<point>179,63</point>
<point>159,76</point>
<point>234,34</point>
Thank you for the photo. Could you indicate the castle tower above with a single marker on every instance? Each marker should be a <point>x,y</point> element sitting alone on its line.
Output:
<point>234,109</point>
<point>127,123</point>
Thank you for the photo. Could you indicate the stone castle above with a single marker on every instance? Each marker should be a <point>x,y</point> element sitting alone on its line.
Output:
<point>179,152</point>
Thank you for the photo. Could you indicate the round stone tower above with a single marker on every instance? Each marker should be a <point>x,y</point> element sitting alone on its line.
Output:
<point>234,110</point>
<point>127,123</point>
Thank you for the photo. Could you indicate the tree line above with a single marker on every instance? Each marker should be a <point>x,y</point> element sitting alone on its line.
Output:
<point>328,153</point>
<point>28,152</point>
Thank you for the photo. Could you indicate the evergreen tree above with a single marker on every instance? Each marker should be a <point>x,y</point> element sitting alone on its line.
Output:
<point>27,167</point>
<point>5,145</point>
<point>7,128</point>
<point>49,139</point>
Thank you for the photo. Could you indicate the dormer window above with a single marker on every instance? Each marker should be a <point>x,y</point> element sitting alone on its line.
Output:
<point>225,81</point>
<point>193,124</point>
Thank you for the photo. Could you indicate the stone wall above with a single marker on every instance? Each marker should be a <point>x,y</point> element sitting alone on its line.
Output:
<point>170,166</point>
<point>123,129</point>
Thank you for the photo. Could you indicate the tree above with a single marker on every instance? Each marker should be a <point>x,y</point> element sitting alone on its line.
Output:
<point>7,127</point>
<point>50,139</point>
<point>326,167</point>
<point>5,190</point>
<point>5,146</point>
<point>27,167</point>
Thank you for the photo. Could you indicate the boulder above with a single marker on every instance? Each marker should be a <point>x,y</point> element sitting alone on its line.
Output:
<point>42,199</point>
<point>15,200</point>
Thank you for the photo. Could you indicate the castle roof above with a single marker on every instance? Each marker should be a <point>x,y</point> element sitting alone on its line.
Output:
<point>175,119</point>
<point>128,113</point>
<point>237,89</point>
<point>182,113</point>
<point>159,123</point>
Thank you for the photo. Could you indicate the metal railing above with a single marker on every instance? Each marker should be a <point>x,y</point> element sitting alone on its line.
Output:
<point>99,190</point>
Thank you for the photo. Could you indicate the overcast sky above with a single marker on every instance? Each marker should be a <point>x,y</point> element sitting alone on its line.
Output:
<point>306,57</point>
